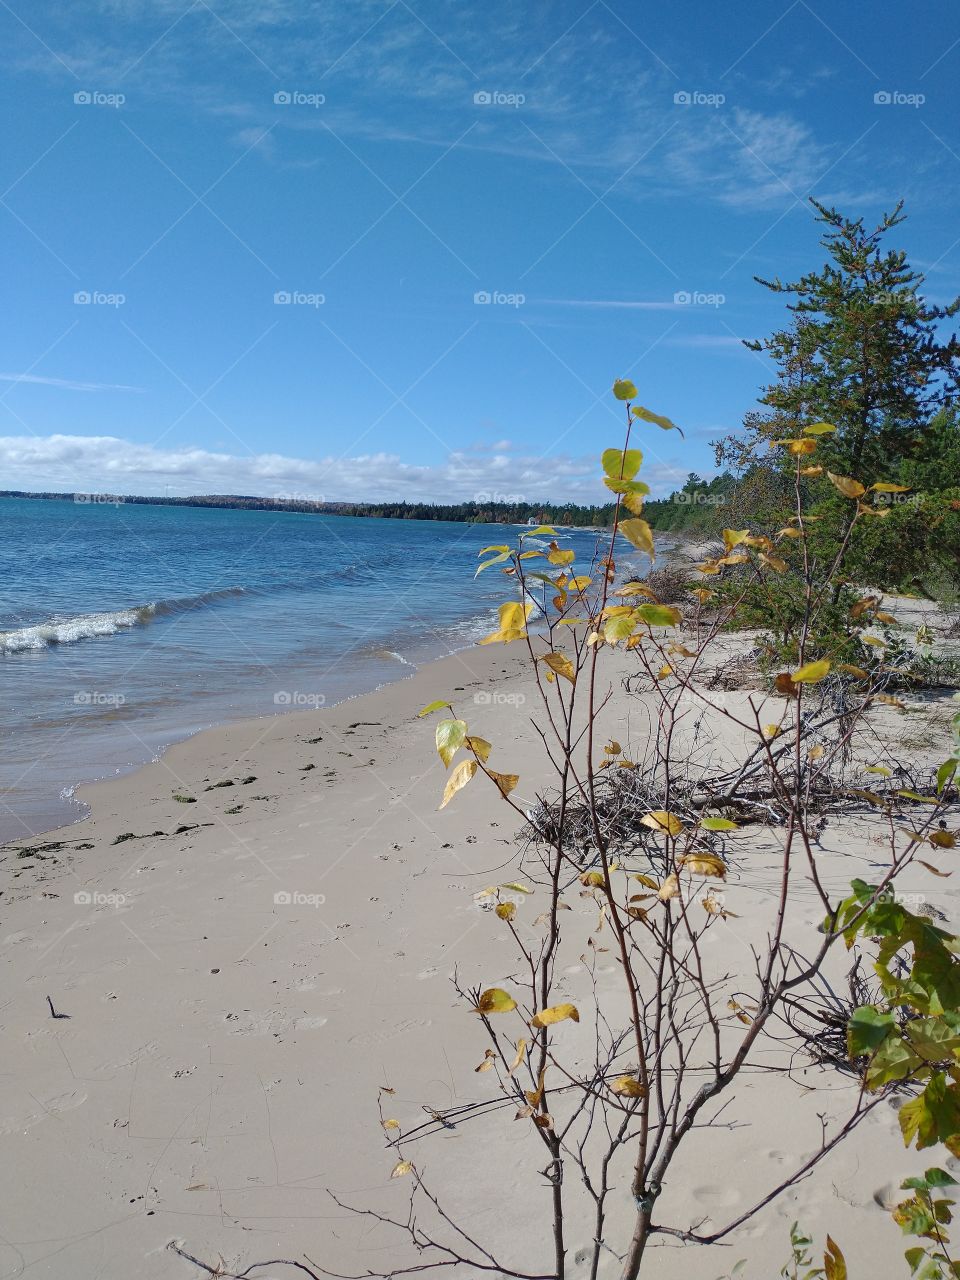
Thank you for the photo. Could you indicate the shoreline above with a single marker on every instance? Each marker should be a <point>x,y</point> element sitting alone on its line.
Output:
<point>235,974</point>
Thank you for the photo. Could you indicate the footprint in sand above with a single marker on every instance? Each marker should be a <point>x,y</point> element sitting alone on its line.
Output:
<point>711,1197</point>
<point>428,973</point>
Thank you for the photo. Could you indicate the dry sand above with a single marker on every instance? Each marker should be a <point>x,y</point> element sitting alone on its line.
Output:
<point>215,1061</point>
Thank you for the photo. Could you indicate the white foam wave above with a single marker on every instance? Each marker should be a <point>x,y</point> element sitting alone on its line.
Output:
<point>70,630</point>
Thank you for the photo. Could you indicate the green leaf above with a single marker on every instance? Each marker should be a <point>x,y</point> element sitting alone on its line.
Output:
<point>450,736</point>
<point>946,773</point>
<point>621,464</point>
<point>867,1029</point>
<point>659,615</point>
<point>647,415</point>
<point>819,429</point>
<point>433,706</point>
<point>624,389</point>
<point>718,824</point>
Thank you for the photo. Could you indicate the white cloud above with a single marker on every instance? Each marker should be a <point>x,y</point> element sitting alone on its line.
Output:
<point>65,384</point>
<point>106,464</point>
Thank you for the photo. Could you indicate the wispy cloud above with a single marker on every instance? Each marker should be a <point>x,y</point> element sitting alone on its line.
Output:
<point>66,384</point>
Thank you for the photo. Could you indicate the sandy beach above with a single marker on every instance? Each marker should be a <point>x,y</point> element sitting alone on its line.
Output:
<point>203,997</point>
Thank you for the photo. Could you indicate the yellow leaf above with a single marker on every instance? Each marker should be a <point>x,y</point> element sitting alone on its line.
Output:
<point>943,839</point>
<point>704,864</point>
<point>556,1013</point>
<point>391,1124</point>
<point>849,488</point>
<point>714,907</point>
<point>817,752</point>
<point>702,593</point>
<point>771,730</point>
<point>773,562</point>
<point>458,779</point>
<point>877,643</point>
<point>495,1000</point>
<point>506,910</point>
<point>480,746</point>
<point>450,737</point>
<point>646,880</point>
<point>513,618</point>
<point>811,672</point>
<point>636,589</point>
<point>883,487</point>
<point>488,1060</point>
<point>505,781</point>
<point>517,887</point>
<point>432,706</point>
<point>834,1263</point>
<point>592,879</point>
<point>816,470</point>
<point>669,889</point>
<point>944,875</point>
<point>521,1054</point>
<point>628,1087</point>
<point>561,557</point>
<point>878,768</point>
<point>613,748</point>
<point>400,1168</point>
<point>732,537</point>
<point>819,429</point>
<point>535,1096</point>
<point>560,664</point>
<point>639,534</point>
<point>665,823</point>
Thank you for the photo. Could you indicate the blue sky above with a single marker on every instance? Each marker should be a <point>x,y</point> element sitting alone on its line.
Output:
<point>610,175</point>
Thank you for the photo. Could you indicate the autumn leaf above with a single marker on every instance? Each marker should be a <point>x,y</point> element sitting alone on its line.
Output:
<point>849,488</point>
<point>400,1168</point>
<point>663,822</point>
<point>556,1013</point>
<point>704,864</point>
<point>669,889</point>
<point>505,781</point>
<point>506,910</point>
<point>628,1087</point>
<point>458,780</point>
<point>480,746</point>
<point>811,672</point>
<point>432,706</point>
<point>495,1000</point>
<point>639,534</point>
<point>624,389</point>
<point>489,1058</point>
<point>560,664</point>
<point>450,738</point>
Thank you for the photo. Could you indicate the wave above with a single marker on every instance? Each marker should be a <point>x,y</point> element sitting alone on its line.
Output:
<point>86,626</point>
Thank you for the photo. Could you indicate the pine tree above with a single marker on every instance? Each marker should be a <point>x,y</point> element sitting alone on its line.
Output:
<point>863,351</point>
